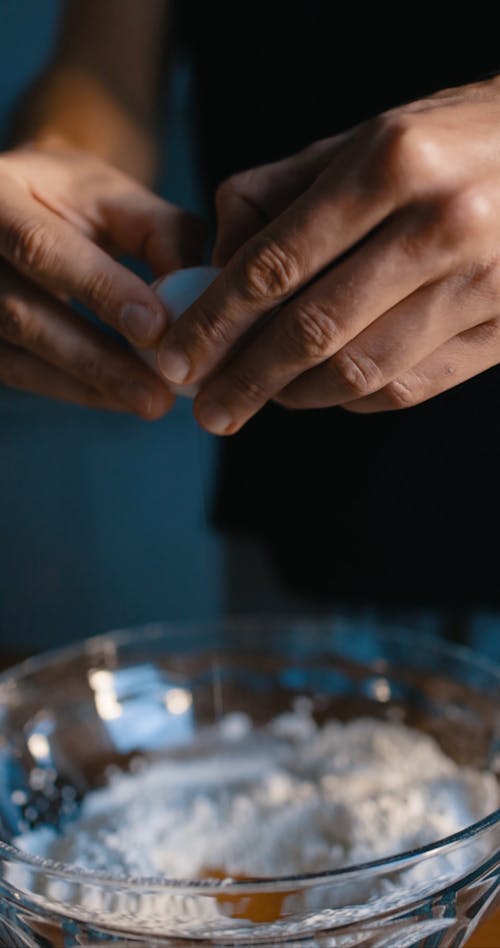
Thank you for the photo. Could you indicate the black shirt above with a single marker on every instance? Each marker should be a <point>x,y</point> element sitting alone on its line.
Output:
<point>397,508</point>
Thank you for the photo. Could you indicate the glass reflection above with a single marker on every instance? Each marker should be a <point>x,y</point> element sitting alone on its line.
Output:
<point>140,710</point>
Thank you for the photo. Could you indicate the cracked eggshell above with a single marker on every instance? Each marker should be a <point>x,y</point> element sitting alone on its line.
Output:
<point>178,291</point>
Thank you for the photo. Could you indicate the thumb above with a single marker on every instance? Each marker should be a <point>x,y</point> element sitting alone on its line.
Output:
<point>149,228</point>
<point>248,201</point>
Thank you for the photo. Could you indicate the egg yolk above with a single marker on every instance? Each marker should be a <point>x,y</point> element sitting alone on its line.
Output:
<point>251,906</point>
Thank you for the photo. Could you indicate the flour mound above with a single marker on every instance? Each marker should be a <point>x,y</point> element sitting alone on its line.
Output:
<point>291,798</point>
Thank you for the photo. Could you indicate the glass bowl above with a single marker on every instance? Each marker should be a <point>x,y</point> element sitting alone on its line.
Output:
<point>71,717</point>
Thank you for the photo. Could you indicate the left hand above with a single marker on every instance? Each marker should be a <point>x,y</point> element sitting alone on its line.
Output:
<point>65,216</point>
<point>381,248</point>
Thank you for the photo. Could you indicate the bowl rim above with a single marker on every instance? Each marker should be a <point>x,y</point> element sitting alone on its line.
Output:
<point>156,630</point>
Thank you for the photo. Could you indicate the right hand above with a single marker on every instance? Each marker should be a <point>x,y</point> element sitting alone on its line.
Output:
<point>64,216</point>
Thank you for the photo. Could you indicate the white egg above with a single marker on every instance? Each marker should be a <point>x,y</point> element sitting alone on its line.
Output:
<point>178,291</point>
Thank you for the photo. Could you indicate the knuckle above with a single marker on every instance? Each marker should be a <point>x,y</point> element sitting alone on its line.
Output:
<point>210,328</point>
<point>270,270</point>
<point>403,393</point>
<point>98,291</point>
<point>226,191</point>
<point>240,186</point>
<point>407,154</point>
<point>311,331</point>
<point>465,215</point>
<point>15,320</point>
<point>28,245</point>
<point>247,386</point>
<point>359,374</point>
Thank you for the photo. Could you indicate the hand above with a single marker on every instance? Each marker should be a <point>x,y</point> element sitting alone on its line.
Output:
<point>64,215</point>
<point>365,272</point>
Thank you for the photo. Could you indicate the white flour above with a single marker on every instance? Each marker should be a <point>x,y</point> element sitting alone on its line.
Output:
<point>291,798</point>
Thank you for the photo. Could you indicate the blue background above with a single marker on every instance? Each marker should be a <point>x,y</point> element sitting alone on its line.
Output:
<point>103,519</point>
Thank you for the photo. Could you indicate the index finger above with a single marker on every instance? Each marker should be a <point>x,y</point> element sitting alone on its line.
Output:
<point>333,215</point>
<point>56,256</point>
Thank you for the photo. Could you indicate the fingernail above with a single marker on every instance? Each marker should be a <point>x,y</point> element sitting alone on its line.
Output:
<point>173,365</point>
<point>136,396</point>
<point>141,324</point>
<point>214,417</point>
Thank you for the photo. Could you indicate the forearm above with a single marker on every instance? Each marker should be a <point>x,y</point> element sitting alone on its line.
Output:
<point>100,92</point>
<point>70,105</point>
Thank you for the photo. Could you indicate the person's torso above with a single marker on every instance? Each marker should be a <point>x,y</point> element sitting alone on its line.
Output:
<point>398,507</point>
